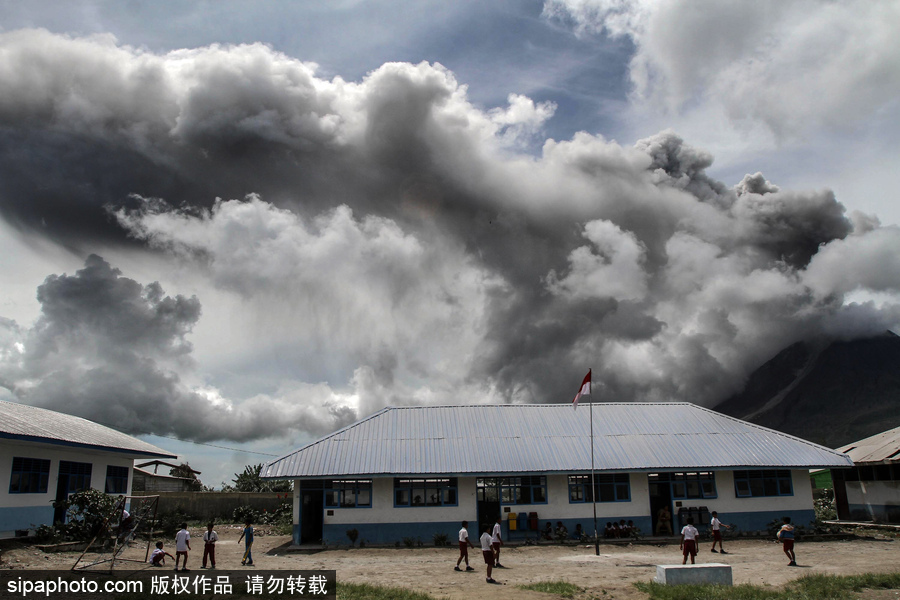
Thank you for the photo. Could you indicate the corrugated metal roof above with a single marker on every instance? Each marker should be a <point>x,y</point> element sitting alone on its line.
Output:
<point>881,447</point>
<point>548,438</point>
<point>23,422</point>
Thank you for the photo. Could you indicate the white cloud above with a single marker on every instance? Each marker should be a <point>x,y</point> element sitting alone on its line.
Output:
<point>610,268</point>
<point>832,64</point>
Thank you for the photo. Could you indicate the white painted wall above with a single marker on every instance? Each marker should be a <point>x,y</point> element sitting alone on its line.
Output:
<point>99,460</point>
<point>559,507</point>
<point>729,502</point>
<point>383,510</point>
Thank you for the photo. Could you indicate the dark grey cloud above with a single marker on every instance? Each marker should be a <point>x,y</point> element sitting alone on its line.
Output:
<point>386,241</point>
<point>110,349</point>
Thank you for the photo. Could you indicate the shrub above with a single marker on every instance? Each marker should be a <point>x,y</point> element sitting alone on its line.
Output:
<point>824,507</point>
<point>45,534</point>
<point>242,513</point>
<point>440,539</point>
<point>86,513</point>
<point>170,522</point>
<point>352,534</point>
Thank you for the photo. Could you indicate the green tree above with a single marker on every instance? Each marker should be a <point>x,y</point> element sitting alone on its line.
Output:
<point>250,481</point>
<point>185,471</point>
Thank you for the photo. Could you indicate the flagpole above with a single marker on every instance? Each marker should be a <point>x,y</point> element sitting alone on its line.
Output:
<point>586,390</point>
<point>593,486</point>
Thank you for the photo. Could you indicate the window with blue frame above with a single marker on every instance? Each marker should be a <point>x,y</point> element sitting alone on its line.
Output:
<point>435,491</point>
<point>607,488</point>
<point>760,483</point>
<point>348,493</point>
<point>689,485</point>
<point>529,489</point>
<point>29,475</point>
<point>116,480</point>
<point>79,475</point>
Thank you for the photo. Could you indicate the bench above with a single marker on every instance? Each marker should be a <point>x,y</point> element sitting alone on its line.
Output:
<point>716,573</point>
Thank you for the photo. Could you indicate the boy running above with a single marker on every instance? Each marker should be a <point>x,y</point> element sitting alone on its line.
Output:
<point>786,535</point>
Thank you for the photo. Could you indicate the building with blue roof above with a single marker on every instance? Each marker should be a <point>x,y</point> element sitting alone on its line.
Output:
<point>412,472</point>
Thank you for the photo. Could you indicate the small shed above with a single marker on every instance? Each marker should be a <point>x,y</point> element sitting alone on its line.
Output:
<point>870,491</point>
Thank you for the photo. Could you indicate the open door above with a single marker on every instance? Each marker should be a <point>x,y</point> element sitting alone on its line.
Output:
<point>660,496</point>
<point>488,502</point>
<point>312,503</point>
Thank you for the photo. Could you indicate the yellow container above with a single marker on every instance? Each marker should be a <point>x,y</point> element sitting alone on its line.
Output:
<point>512,521</point>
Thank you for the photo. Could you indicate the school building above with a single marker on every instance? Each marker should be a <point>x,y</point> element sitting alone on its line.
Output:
<point>46,455</point>
<point>411,472</point>
<point>870,491</point>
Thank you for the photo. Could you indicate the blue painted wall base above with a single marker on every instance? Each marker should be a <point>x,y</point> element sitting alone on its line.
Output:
<point>423,533</point>
<point>25,517</point>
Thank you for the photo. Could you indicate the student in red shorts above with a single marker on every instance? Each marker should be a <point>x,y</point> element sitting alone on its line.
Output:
<point>689,535</point>
<point>786,535</point>
<point>487,551</point>
<point>716,525</point>
<point>464,544</point>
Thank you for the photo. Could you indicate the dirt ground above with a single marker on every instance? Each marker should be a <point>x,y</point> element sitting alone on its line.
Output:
<point>430,569</point>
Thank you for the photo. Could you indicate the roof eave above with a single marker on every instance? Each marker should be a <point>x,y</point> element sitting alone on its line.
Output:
<point>58,442</point>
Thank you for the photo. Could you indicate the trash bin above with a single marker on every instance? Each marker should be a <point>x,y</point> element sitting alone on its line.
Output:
<point>533,521</point>
<point>523,521</point>
<point>513,522</point>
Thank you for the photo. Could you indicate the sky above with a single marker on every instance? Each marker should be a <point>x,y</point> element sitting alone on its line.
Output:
<point>230,228</point>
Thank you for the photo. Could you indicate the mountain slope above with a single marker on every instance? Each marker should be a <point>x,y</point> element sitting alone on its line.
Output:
<point>829,393</point>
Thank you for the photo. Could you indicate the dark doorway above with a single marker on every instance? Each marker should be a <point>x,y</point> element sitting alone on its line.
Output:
<point>488,502</point>
<point>660,496</point>
<point>73,477</point>
<point>62,492</point>
<point>312,502</point>
<point>840,494</point>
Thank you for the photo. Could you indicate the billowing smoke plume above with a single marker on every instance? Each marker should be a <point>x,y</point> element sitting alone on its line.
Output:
<point>388,242</point>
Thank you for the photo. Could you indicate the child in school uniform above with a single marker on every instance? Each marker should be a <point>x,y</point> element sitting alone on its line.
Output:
<point>689,535</point>
<point>786,535</point>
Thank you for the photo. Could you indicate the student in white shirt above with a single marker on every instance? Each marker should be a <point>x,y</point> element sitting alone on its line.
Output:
<point>487,552</point>
<point>464,545</point>
<point>182,546</point>
<point>210,538</point>
<point>689,535</point>
<point>496,542</point>
<point>715,525</point>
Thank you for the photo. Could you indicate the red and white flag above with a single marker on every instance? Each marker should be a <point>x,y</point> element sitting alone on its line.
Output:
<point>585,389</point>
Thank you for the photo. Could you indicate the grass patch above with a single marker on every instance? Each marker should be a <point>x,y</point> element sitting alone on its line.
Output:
<point>364,591</point>
<point>809,587</point>
<point>560,588</point>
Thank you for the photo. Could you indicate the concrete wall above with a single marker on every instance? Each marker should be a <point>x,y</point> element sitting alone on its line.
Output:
<point>28,511</point>
<point>385,524</point>
<point>874,500</point>
<point>216,505</point>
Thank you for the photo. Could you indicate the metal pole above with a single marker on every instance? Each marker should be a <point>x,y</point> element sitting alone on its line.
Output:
<point>593,487</point>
